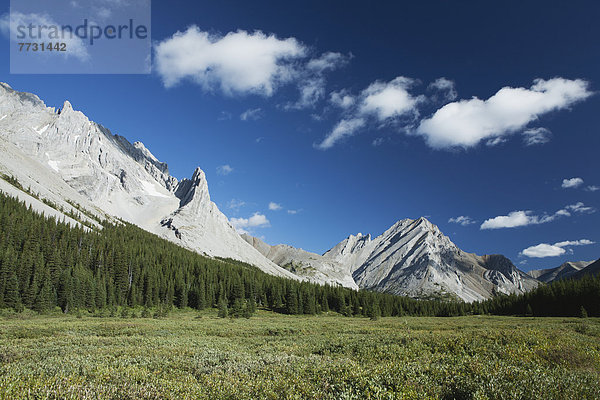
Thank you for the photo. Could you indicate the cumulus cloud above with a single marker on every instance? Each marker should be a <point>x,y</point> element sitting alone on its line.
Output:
<point>293,212</point>
<point>224,169</point>
<point>466,123</point>
<point>312,90</point>
<point>444,88</point>
<point>238,63</point>
<point>343,129</point>
<point>462,220</point>
<point>311,79</point>
<point>75,46</point>
<point>386,100</point>
<point>251,114</point>
<point>592,188</point>
<point>329,61</point>
<point>571,183</point>
<point>257,220</point>
<point>553,250</point>
<point>342,99</point>
<point>382,102</point>
<point>274,206</point>
<point>534,136</point>
<point>512,220</point>
<point>516,219</point>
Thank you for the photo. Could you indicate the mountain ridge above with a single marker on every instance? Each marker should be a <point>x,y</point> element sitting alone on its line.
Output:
<point>412,258</point>
<point>113,178</point>
<point>70,160</point>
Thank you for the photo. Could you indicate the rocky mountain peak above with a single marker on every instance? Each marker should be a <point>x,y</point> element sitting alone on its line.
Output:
<point>70,159</point>
<point>194,190</point>
<point>66,106</point>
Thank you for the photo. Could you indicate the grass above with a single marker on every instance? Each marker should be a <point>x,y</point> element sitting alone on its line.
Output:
<point>190,355</point>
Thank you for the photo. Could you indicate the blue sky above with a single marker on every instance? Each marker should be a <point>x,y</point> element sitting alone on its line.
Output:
<point>378,135</point>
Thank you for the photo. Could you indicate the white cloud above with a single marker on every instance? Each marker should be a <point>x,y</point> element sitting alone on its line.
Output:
<point>237,63</point>
<point>236,204</point>
<point>329,61</point>
<point>543,250</point>
<point>386,100</point>
<point>274,206</point>
<point>512,220</point>
<point>342,99</point>
<point>580,208</point>
<point>383,101</point>
<point>293,212</point>
<point>581,242</point>
<point>592,188</point>
<point>467,122</point>
<point>312,90</point>
<point>571,183</point>
<point>553,250</point>
<point>251,114</point>
<point>534,136</point>
<point>75,46</point>
<point>257,220</point>
<point>516,219</point>
<point>462,220</point>
<point>224,169</point>
<point>445,87</point>
<point>495,141</point>
<point>311,79</point>
<point>343,129</point>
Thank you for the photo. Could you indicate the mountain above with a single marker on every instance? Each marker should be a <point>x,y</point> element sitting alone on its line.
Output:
<point>79,167</point>
<point>311,266</point>
<point>411,258</point>
<point>564,271</point>
<point>64,158</point>
<point>591,269</point>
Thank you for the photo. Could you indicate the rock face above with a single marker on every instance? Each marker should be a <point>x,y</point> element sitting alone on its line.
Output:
<point>311,266</point>
<point>592,269</point>
<point>411,258</point>
<point>70,160</point>
<point>67,158</point>
<point>564,271</point>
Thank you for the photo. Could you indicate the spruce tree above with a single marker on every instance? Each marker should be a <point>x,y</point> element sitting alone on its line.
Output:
<point>222,307</point>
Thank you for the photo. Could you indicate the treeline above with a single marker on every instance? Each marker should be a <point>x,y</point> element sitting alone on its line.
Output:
<point>45,264</point>
<point>577,297</point>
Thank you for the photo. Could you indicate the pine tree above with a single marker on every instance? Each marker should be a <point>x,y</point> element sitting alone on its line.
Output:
<point>45,298</point>
<point>222,307</point>
<point>291,302</point>
<point>374,311</point>
<point>12,298</point>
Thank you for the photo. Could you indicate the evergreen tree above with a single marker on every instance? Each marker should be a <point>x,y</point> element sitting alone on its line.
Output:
<point>222,307</point>
<point>291,301</point>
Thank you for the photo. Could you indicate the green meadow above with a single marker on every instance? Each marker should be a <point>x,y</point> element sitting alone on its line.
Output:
<point>191,355</point>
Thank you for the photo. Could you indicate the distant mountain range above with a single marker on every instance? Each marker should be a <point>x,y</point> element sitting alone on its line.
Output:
<point>81,167</point>
<point>568,270</point>
<point>411,258</point>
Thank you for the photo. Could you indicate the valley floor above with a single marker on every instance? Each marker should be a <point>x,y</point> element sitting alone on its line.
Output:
<point>197,355</point>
